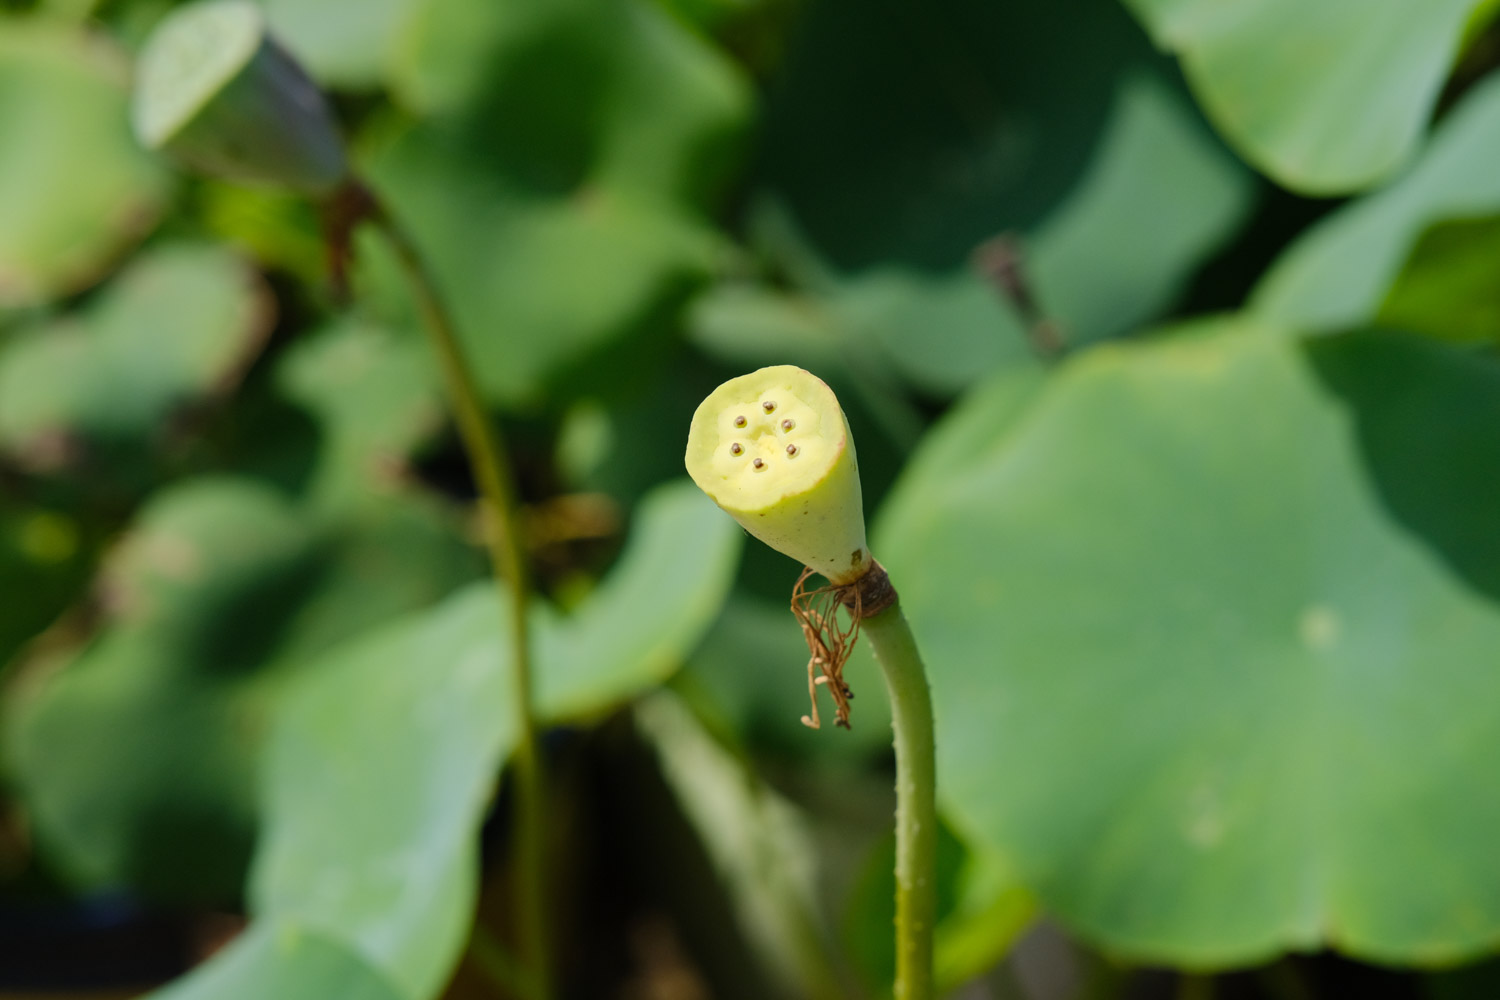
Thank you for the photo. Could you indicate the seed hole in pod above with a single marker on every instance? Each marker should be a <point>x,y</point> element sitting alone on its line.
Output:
<point>739,421</point>
<point>788,424</point>
<point>736,448</point>
<point>768,405</point>
<point>791,451</point>
<point>760,464</point>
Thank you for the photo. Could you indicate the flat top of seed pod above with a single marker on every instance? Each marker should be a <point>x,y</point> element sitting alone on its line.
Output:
<point>189,57</point>
<point>765,436</point>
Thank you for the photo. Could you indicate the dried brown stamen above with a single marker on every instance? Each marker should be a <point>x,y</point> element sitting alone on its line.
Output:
<point>829,642</point>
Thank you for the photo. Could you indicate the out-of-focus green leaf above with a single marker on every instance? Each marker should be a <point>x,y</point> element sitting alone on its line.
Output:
<point>343,43</point>
<point>558,189</point>
<point>375,396</point>
<point>42,563</point>
<point>1210,624</point>
<point>1447,288</point>
<point>182,321</point>
<point>288,962</point>
<point>278,229</point>
<point>940,332</point>
<point>136,757</point>
<point>592,454</point>
<point>1325,96</point>
<point>1337,274</point>
<point>742,322</point>
<point>148,730</point>
<point>383,757</point>
<point>379,770</point>
<point>758,843</point>
<point>75,189</point>
<point>575,94</point>
<point>648,614</point>
<point>536,283</point>
<point>1158,195</point>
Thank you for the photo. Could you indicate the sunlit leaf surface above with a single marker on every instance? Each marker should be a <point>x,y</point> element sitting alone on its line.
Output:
<point>75,189</point>
<point>1339,272</point>
<point>1325,96</point>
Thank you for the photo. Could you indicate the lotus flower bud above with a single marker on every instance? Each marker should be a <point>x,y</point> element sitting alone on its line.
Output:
<point>773,449</point>
<point>216,91</point>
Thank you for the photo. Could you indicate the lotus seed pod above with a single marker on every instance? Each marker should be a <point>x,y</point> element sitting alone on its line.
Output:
<point>216,91</point>
<point>773,449</point>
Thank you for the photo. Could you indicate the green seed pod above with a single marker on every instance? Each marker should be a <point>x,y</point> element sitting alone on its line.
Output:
<point>215,90</point>
<point>773,449</point>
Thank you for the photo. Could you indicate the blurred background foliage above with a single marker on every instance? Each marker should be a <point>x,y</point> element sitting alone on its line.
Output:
<point>1167,332</point>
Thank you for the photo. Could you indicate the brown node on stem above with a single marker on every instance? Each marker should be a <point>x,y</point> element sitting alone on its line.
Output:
<point>831,637</point>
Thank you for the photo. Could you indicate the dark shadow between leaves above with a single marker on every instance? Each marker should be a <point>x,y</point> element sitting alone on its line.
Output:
<point>1427,416</point>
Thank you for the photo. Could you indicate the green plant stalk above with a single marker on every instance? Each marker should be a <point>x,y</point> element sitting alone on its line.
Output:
<point>490,463</point>
<point>916,799</point>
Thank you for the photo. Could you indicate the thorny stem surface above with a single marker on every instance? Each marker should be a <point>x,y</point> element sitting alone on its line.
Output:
<point>916,806</point>
<point>490,463</point>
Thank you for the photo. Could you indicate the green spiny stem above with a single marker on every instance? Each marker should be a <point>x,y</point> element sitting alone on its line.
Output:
<point>490,463</point>
<point>916,807</point>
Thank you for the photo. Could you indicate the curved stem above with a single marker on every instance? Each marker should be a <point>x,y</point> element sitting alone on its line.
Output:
<point>490,463</point>
<point>916,801</point>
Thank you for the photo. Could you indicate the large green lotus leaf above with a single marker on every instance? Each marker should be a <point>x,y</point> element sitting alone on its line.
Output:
<point>288,962</point>
<point>384,757</point>
<point>1324,96</point>
<point>343,43</point>
<point>182,321</point>
<point>136,756</point>
<point>375,397</point>
<point>1157,196</point>
<point>558,186</point>
<point>1210,623</point>
<point>1338,273</point>
<point>75,188</point>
